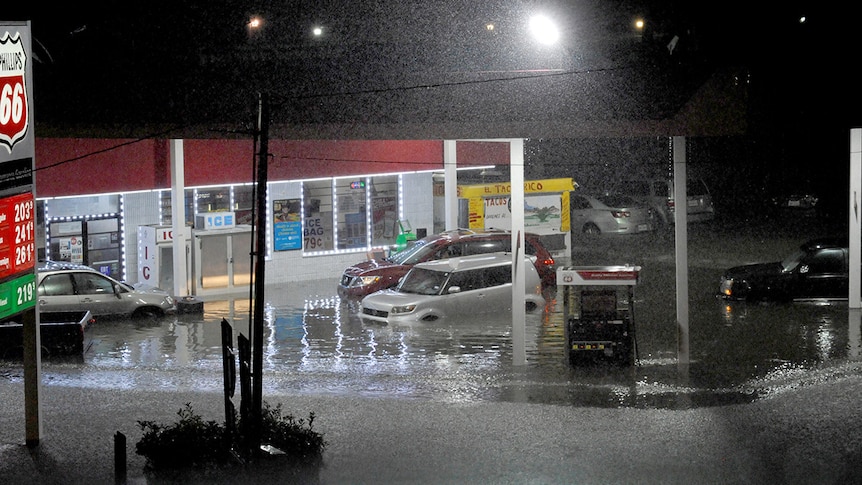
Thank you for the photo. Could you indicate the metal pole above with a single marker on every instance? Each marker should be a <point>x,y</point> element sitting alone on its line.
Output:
<point>178,219</point>
<point>681,244</point>
<point>259,276</point>
<point>32,341</point>
<point>450,183</point>
<point>855,284</point>
<point>519,301</point>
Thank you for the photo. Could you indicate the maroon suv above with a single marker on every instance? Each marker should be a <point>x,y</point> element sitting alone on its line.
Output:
<point>369,276</point>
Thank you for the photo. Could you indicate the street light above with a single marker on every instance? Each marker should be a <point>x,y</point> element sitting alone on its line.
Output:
<point>544,30</point>
<point>255,27</point>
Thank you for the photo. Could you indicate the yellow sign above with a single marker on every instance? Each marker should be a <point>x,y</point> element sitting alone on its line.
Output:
<point>504,188</point>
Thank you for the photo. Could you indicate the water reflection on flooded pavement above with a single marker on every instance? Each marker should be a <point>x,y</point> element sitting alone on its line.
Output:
<point>315,344</point>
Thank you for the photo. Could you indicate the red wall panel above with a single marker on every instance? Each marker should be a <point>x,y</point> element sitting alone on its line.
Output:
<point>68,166</point>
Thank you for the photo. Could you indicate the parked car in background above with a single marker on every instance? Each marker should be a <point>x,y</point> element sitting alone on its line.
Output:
<point>67,287</point>
<point>366,277</point>
<point>804,204</point>
<point>609,214</point>
<point>817,270</point>
<point>460,286</point>
<point>658,195</point>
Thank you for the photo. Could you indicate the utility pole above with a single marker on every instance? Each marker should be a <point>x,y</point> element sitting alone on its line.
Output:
<point>259,276</point>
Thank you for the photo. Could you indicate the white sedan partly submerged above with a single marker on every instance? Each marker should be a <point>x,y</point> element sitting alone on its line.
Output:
<point>467,286</point>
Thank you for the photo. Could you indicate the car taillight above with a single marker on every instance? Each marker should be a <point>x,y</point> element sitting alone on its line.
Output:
<point>670,205</point>
<point>547,262</point>
<point>620,214</point>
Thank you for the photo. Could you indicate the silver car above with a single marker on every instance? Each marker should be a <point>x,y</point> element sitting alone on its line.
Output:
<point>658,195</point>
<point>464,286</point>
<point>73,287</point>
<point>609,214</point>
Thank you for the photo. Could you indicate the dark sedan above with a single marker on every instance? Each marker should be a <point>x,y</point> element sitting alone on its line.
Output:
<point>817,270</point>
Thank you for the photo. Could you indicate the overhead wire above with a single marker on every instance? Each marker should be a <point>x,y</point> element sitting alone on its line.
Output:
<point>285,99</point>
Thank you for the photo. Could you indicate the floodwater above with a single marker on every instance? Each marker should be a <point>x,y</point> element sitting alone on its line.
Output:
<point>314,343</point>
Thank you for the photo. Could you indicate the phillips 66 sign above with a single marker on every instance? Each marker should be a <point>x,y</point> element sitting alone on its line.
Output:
<point>14,107</point>
<point>17,150</point>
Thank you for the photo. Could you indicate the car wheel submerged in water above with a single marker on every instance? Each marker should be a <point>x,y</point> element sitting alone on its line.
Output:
<point>609,214</point>
<point>453,288</point>
<point>65,287</point>
<point>364,278</point>
<point>591,230</point>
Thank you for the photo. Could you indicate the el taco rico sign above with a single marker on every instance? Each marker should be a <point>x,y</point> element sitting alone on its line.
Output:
<point>14,106</point>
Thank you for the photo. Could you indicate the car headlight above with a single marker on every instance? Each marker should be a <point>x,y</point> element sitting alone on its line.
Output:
<point>402,309</point>
<point>726,287</point>
<point>365,280</point>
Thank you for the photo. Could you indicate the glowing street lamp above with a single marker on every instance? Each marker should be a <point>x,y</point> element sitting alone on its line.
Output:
<point>544,30</point>
<point>254,25</point>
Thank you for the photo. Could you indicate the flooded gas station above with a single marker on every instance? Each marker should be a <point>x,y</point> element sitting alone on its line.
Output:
<point>315,343</point>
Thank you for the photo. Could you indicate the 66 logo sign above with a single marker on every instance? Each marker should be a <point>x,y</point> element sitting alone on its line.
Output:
<point>13,92</point>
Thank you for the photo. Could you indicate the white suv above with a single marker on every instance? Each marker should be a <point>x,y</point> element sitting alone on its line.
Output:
<point>465,286</point>
<point>658,194</point>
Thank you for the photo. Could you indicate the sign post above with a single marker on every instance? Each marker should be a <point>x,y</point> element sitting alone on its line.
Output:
<point>18,209</point>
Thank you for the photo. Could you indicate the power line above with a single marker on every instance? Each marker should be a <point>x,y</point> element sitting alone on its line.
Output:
<point>284,98</point>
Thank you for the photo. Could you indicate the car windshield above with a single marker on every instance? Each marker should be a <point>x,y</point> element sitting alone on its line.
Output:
<point>412,254</point>
<point>791,262</point>
<point>423,281</point>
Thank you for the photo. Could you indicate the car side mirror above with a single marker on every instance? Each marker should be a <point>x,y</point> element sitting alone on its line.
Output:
<point>117,290</point>
<point>454,289</point>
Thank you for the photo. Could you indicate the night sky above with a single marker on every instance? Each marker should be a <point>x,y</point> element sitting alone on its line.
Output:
<point>196,62</point>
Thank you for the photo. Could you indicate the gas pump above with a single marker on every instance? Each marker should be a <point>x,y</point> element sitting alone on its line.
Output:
<point>405,234</point>
<point>598,313</point>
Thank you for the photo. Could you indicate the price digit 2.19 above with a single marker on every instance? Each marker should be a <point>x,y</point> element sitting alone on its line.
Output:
<point>26,293</point>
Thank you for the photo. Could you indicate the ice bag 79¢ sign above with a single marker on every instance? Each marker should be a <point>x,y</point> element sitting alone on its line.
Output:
<point>13,92</point>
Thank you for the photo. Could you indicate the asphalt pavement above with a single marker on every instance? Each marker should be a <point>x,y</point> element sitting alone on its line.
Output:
<point>804,434</point>
<point>805,427</point>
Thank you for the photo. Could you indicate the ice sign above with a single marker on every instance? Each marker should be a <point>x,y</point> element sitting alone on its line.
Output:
<point>216,220</point>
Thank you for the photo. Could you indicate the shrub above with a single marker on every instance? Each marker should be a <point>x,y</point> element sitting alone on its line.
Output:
<point>193,442</point>
<point>291,435</point>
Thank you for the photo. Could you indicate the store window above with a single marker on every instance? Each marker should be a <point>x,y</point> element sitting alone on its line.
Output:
<point>238,199</point>
<point>352,228</point>
<point>214,199</point>
<point>351,214</point>
<point>318,230</point>
<point>243,203</point>
<point>383,192</point>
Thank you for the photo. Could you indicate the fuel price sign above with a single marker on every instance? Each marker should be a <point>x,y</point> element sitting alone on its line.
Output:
<point>17,295</point>
<point>17,234</point>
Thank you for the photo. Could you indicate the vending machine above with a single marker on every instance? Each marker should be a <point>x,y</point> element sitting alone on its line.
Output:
<point>156,255</point>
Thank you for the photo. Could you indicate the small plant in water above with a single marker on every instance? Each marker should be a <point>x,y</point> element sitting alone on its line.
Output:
<point>291,435</point>
<point>193,442</point>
